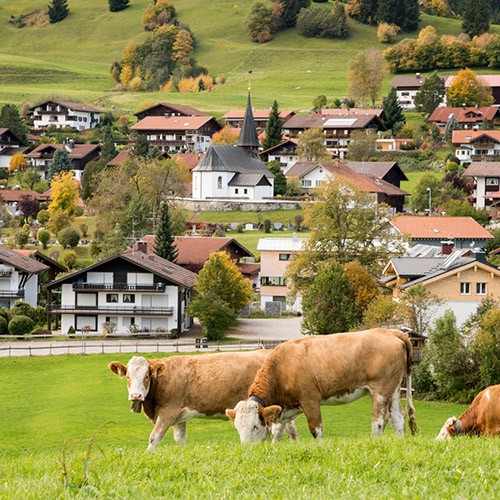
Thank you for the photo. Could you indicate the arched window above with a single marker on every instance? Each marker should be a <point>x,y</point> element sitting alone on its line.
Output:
<point>219,182</point>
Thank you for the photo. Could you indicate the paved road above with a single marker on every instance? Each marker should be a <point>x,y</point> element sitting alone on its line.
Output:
<point>249,334</point>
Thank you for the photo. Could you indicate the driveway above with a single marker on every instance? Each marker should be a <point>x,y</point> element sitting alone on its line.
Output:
<point>268,329</point>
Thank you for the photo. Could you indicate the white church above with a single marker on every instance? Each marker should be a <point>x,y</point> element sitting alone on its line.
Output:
<point>234,171</point>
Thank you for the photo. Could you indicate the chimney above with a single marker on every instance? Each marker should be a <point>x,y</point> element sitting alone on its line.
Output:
<point>142,246</point>
<point>71,143</point>
<point>480,256</point>
<point>417,75</point>
<point>447,247</point>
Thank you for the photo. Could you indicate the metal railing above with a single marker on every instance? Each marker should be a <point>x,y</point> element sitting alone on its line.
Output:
<point>132,310</point>
<point>156,287</point>
<point>12,293</point>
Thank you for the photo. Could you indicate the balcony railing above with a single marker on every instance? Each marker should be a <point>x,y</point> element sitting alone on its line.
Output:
<point>130,311</point>
<point>5,273</point>
<point>12,293</point>
<point>119,287</point>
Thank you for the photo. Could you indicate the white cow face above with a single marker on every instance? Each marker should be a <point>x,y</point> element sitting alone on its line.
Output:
<point>448,430</point>
<point>251,420</point>
<point>138,375</point>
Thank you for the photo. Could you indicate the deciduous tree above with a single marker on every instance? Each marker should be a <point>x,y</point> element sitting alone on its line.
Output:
<point>362,145</point>
<point>18,163</point>
<point>227,136</point>
<point>28,206</point>
<point>366,76</point>
<point>68,237</point>
<point>64,200</point>
<point>468,90</point>
<point>258,23</point>
<point>310,145</point>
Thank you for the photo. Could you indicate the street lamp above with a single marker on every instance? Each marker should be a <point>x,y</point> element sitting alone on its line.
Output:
<point>429,190</point>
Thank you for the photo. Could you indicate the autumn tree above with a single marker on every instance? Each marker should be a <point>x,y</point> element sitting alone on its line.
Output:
<point>11,119</point>
<point>467,90</point>
<point>60,163</point>
<point>164,238</point>
<point>220,292</point>
<point>28,178</point>
<point>476,17</point>
<point>117,5</point>
<point>258,23</point>
<point>394,117</point>
<point>18,163</point>
<point>362,145</point>
<point>227,136</point>
<point>57,10</point>
<point>387,33</point>
<point>311,145</point>
<point>364,11</point>
<point>64,200</point>
<point>366,76</point>
<point>430,95</point>
<point>274,128</point>
<point>381,313</point>
<point>363,285</point>
<point>182,49</point>
<point>28,206</point>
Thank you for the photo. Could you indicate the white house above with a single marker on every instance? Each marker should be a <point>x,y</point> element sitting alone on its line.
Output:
<point>476,145</point>
<point>18,278</point>
<point>486,182</point>
<point>285,153</point>
<point>10,144</point>
<point>407,87</point>
<point>127,293</point>
<point>234,171</point>
<point>63,114</point>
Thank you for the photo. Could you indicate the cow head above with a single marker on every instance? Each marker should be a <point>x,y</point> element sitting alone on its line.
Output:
<point>139,373</point>
<point>450,428</point>
<point>251,419</point>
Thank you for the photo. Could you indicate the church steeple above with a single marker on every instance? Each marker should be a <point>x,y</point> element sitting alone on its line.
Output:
<point>248,138</point>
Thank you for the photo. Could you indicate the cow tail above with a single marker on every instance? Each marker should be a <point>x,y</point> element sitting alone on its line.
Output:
<point>412,420</point>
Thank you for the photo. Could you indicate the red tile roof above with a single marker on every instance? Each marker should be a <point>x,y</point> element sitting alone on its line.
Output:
<point>440,227</point>
<point>120,158</point>
<point>351,112</point>
<point>190,159</point>
<point>78,151</point>
<point>442,115</point>
<point>14,195</point>
<point>258,114</point>
<point>468,136</point>
<point>489,80</point>
<point>171,123</point>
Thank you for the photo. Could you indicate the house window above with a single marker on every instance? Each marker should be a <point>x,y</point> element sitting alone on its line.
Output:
<point>285,256</point>
<point>128,298</point>
<point>492,181</point>
<point>481,288</point>
<point>318,183</point>
<point>236,191</point>
<point>219,182</point>
<point>111,297</point>
<point>245,191</point>
<point>272,281</point>
<point>464,288</point>
<point>306,183</point>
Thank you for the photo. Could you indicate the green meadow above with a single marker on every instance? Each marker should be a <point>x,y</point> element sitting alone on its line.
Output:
<point>71,59</point>
<point>67,432</point>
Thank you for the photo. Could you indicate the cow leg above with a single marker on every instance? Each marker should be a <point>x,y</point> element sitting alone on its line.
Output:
<point>312,411</point>
<point>397,414</point>
<point>180,433</point>
<point>379,409</point>
<point>163,422</point>
<point>292,430</point>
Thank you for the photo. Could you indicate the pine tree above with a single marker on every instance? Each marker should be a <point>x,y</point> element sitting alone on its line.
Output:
<point>403,13</point>
<point>411,15</point>
<point>476,17</point>
<point>57,10</point>
<point>164,240</point>
<point>291,9</point>
<point>274,129</point>
<point>60,163</point>
<point>451,125</point>
<point>430,95</point>
<point>117,5</point>
<point>11,119</point>
<point>141,146</point>
<point>394,117</point>
<point>108,150</point>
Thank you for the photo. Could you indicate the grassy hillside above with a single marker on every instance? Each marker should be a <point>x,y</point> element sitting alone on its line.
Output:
<point>72,58</point>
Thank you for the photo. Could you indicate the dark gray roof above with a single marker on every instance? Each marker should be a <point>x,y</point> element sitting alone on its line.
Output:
<point>407,267</point>
<point>249,180</point>
<point>21,262</point>
<point>231,159</point>
<point>248,135</point>
<point>378,168</point>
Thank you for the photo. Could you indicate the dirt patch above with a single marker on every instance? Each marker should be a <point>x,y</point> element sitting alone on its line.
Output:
<point>36,19</point>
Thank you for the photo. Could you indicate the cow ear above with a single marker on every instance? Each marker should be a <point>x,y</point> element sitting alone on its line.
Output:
<point>450,426</point>
<point>231,413</point>
<point>118,368</point>
<point>156,368</point>
<point>270,413</point>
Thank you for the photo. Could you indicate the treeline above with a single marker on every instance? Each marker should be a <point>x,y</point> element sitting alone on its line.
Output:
<point>166,56</point>
<point>431,51</point>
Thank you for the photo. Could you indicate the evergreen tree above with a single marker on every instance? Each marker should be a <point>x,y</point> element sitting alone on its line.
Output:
<point>117,5</point>
<point>291,9</point>
<point>60,163</point>
<point>451,125</point>
<point>57,10</point>
<point>476,17</point>
<point>108,150</point>
<point>11,119</point>
<point>403,13</point>
<point>430,95</point>
<point>279,178</point>
<point>141,146</point>
<point>412,15</point>
<point>274,129</point>
<point>364,11</point>
<point>90,178</point>
<point>164,239</point>
<point>394,117</point>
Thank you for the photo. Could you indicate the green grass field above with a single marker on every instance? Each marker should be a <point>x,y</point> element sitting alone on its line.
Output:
<point>58,402</point>
<point>72,58</point>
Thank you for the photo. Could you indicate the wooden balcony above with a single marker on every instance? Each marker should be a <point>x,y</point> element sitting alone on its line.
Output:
<point>118,287</point>
<point>109,310</point>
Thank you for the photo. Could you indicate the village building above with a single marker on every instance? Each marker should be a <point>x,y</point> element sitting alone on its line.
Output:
<point>234,118</point>
<point>184,134</point>
<point>407,87</point>
<point>127,293</point>
<point>234,171</point>
<point>62,114</point>
<point>468,118</point>
<point>476,145</point>
<point>285,153</point>
<point>168,109</point>
<point>11,197</point>
<point>394,144</point>
<point>486,184</point>
<point>10,145</point>
<point>491,81</point>
<point>19,278</point>
<point>42,156</point>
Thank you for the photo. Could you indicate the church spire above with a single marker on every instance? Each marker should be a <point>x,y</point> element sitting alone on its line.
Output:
<point>248,138</point>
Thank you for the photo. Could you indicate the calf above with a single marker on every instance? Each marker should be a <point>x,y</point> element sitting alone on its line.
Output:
<point>176,389</point>
<point>482,418</point>
<point>301,375</point>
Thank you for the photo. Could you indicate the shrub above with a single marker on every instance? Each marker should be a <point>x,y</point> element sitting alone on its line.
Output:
<point>41,331</point>
<point>68,237</point>
<point>69,258</point>
<point>43,237</point>
<point>22,308</point>
<point>41,313</point>
<point>20,325</point>
<point>6,313</point>
<point>321,22</point>
<point>71,330</point>
<point>387,33</point>
<point>43,217</point>
<point>267,225</point>
<point>4,326</point>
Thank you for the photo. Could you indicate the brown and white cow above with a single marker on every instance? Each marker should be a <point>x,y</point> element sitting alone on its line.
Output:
<point>482,418</point>
<point>301,375</point>
<point>176,389</point>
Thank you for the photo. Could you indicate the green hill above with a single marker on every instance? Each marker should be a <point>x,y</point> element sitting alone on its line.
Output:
<point>72,58</point>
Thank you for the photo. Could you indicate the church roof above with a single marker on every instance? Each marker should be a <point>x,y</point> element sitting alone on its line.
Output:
<point>248,135</point>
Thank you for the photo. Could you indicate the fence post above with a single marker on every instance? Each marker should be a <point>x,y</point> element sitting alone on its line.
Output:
<point>136,347</point>
<point>120,348</point>
<point>102,347</point>
<point>157,347</point>
<point>29,347</point>
<point>50,348</point>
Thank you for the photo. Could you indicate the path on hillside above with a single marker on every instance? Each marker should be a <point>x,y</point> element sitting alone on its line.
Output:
<point>249,334</point>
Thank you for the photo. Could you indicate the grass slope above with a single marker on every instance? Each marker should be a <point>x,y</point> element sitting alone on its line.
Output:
<point>50,401</point>
<point>72,58</point>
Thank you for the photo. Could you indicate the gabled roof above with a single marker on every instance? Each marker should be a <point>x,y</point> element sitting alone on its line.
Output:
<point>483,169</point>
<point>6,131</point>
<point>190,159</point>
<point>401,82</point>
<point>149,262</point>
<point>258,114</point>
<point>21,262</point>
<point>231,159</point>
<point>378,168</point>
<point>41,257</point>
<point>248,136</point>
<point>441,228</point>
<point>197,249</point>
<point>318,120</point>
<point>76,152</point>
<point>352,112</point>
<point>293,142</point>
<point>249,180</point>
<point>464,115</point>
<point>120,158</point>
<point>468,136</point>
<point>15,195</point>
<point>177,108</point>
<point>488,80</point>
<point>163,123</point>
<point>75,106</point>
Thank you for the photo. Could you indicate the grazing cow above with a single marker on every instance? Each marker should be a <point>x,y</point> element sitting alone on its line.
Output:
<point>301,375</point>
<point>176,389</point>
<point>482,418</point>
